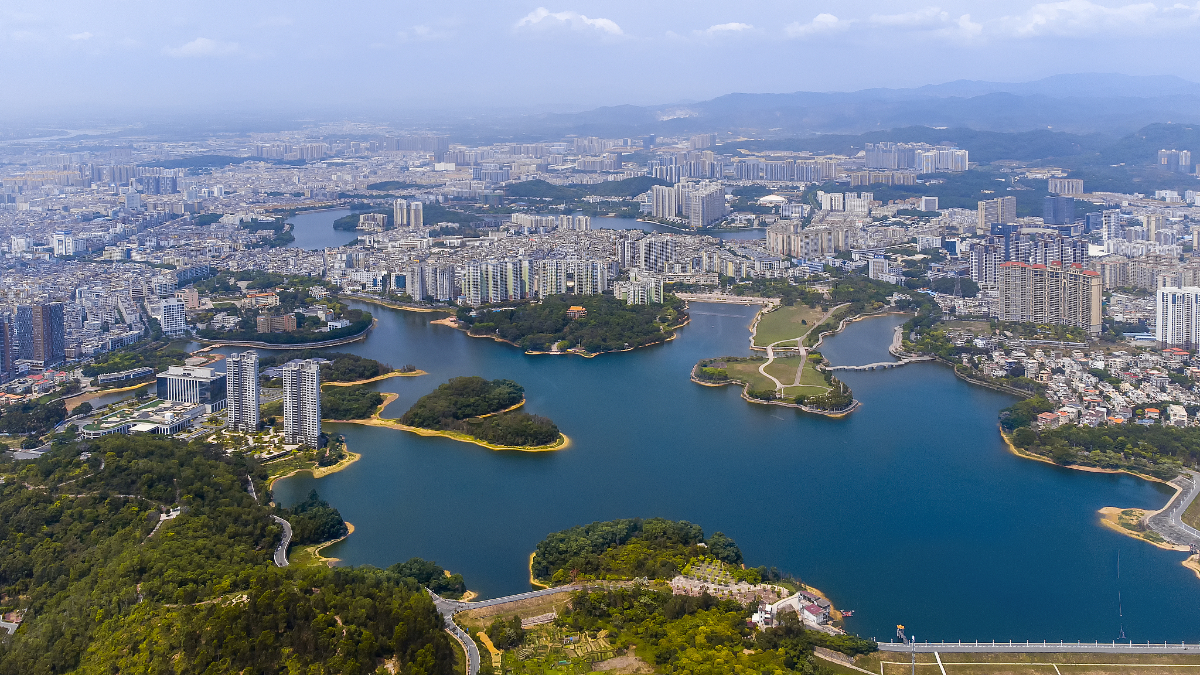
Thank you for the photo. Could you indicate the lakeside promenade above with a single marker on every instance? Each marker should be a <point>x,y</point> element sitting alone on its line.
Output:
<point>1043,647</point>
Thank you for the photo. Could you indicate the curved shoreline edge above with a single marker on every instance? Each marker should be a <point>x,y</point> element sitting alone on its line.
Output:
<point>377,378</point>
<point>315,549</point>
<point>377,421</point>
<point>835,414</point>
<point>453,323</point>
<point>318,471</point>
<point>255,344</point>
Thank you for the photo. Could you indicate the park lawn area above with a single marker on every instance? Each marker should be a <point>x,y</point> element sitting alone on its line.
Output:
<point>1192,515</point>
<point>1033,664</point>
<point>474,620</point>
<point>784,368</point>
<point>785,323</point>
<point>747,371</point>
<point>812,382</point>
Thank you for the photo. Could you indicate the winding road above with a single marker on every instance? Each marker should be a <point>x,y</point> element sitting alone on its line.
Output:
<point>448,608</point>
<point>1168,521</point>
<point>281,552</point>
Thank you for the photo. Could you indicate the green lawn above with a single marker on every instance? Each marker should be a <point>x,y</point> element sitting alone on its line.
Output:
<point>1192,515</point>
<point>747,371</point>
<point>785,323</point>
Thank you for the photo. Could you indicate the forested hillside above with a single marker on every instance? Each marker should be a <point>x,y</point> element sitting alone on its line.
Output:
<point>102,592</point>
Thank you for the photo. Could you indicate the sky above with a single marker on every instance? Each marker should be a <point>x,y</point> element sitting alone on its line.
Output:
<point>517,55</point>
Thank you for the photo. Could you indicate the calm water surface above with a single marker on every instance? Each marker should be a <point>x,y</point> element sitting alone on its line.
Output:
<point>908,511</point>
<point>314,230</point>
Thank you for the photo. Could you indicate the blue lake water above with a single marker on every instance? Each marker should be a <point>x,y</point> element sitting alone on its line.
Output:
<point>314,230</point>
<point>909,511</point>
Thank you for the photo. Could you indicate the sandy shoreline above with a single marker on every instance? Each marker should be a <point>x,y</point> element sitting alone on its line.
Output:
<point>376,421</point>
<point>318,471</point>
<point>317,548</point>
<point>377,378</point>
<point>73,402</point>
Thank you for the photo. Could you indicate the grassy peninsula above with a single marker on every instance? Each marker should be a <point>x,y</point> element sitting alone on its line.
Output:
<point>484,410</point>
<point>102,584</point>
<point>609,324</point>
<point>793,379</point>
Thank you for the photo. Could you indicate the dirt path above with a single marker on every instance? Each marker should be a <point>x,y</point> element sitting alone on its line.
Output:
<point>779,386</point>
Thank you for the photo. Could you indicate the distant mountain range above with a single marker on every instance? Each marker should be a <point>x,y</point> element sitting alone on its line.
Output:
<point>1109,104</point>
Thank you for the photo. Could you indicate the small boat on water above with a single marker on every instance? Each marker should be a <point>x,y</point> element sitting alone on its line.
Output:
<point>847,612</point>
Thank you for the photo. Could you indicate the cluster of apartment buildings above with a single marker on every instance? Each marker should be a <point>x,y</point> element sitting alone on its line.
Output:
<point>187,393</point>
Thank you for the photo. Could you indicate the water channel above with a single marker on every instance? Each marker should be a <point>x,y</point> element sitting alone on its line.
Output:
<point>908,511</point>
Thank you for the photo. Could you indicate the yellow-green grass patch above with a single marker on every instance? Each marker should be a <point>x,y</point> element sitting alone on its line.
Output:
<point>785,323</point>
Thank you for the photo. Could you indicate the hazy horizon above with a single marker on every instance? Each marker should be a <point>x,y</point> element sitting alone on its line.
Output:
<point>72,58</point>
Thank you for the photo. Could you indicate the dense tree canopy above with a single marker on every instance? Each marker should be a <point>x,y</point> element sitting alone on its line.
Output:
<point>702,635</point>
<point>460,404</point>
<point>349,403</point>
<point>609,325</point>
<point>344,367</point>
<point>655,548</point>
<point>314,520</point>
<point>460,398</point>
<point>103,591</point>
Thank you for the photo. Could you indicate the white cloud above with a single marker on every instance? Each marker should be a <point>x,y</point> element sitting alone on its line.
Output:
<point>725,28</point>
<point>922,18</point>
<point>964,29</point>
<point>424,33</point>
<point>201,47</point>
<point>80,36</point>
<point>1080,17</point>
<point>543,17</point>
<point>821,23</point>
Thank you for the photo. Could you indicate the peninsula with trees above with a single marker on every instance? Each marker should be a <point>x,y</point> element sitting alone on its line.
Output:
<point>485,411</point>
<point>577,324</point>
<point>469,409</point>
<point>656,595</point>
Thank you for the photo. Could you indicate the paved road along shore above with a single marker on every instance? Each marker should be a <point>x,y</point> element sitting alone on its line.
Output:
<point>1041,647</point>
<point>1168,522</point>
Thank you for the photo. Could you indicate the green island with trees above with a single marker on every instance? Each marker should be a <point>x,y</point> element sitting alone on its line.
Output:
<point>103,585</point>
<point>349,403</point>
<point>654,548</point>
<point>342,367</point>
<point>482,410</point>
<point>626,616</point>
<point>608,325</point>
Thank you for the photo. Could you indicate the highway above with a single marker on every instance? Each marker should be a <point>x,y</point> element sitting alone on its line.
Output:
<point>281,552</point>
<point>1042,647</point>
<point>1168,522</point>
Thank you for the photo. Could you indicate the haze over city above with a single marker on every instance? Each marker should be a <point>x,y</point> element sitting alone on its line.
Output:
<point>691,338</point>
<point>308,58</point>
